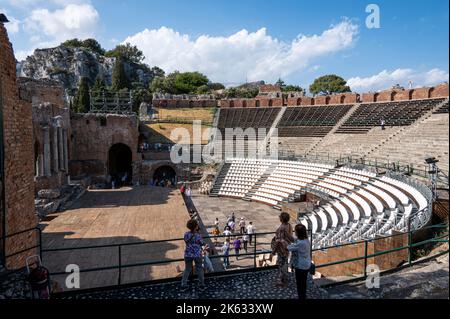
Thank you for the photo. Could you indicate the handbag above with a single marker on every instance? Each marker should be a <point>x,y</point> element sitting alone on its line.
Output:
<point>312,269</point>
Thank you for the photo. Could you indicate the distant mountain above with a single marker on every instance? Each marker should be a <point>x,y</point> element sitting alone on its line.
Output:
<point>251,85</point>
<point>68,64</point>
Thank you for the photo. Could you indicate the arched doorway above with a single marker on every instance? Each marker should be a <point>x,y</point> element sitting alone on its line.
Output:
<point>165,173</point>
<point>119,163</point>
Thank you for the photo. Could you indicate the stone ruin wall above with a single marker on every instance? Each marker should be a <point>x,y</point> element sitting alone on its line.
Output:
<point>51,132</point>
<point>17,206</point>
<point>92,137</point>
<point>296,99</point>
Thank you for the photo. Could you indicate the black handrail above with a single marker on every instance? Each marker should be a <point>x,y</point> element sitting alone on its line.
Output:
<point>256,252</point>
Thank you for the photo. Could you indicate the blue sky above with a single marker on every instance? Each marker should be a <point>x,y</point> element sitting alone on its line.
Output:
<point>232,41</point>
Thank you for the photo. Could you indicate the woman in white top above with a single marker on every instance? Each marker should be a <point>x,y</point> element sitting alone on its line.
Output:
<point>301,259</point>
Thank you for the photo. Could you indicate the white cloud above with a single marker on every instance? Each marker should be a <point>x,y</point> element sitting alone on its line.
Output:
<point>31,4</point>
<point>13,26</point>
<point>69,22</point>
<point>243,55</point>
<point>386,79</point>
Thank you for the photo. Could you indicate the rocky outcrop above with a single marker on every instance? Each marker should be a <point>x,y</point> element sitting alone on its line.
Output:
<point>67,65</point>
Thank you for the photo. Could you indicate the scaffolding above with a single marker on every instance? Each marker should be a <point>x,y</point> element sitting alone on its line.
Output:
<point>111,102</point>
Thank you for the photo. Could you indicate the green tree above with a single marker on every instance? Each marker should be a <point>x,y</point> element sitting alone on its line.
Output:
<point>99,84</point>
<point>127,52</point>
<point>204,89</point>
<point>90,44</point>
<point>82,101</point>
<point>216,86</point>
<point>119,77</point>
<point>157,85</point>
<point>329,84</point>
<point>94,46</point>
<point>189,82</point>
<point>293,88</point>
<point>280,83</point>
<point>157,72</point>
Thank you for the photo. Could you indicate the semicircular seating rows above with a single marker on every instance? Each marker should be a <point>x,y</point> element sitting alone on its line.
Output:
<point>360,204</point>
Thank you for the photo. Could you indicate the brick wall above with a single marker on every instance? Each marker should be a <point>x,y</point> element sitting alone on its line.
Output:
<point>184,103</point>
<point>439,91</point>
<point>385,262</point>
<point>93,135</point>
<point>18,159</point>
<point>421,93</point>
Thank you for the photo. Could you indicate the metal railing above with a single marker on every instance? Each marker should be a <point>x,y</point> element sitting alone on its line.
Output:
<point>352,160</point>
<point>255,252</point>
<point>38,244</point>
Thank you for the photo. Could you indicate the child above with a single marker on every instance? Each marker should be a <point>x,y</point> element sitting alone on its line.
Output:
<point>237,247</point>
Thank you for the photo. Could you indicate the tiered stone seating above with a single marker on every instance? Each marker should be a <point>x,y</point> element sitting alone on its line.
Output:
<point>259,119</point>
<point>400,113</point>
<point>428,137</point>
<point>310,121</point>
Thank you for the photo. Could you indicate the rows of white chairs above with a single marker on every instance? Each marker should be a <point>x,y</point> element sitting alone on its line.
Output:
<point>361,204</point>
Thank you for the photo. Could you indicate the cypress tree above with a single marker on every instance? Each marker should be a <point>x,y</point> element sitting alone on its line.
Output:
<point>82,103</point>
<point>119,77</point>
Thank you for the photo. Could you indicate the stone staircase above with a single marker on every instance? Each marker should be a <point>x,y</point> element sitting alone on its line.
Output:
<point>429,136</point>
<point>263,145</point>
<point>219,180</point>
<point>260,182</point>
<point>335,128</point>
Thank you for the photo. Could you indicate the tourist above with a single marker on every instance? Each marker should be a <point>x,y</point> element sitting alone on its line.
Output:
<point>283,237</point>
<point>207,264</point>
<point>189,191</point>
<point>182,189</point>
<point>242,225</point>
<point>232,226</point>
<point>382,123</point>
<point>227,233</point>
<point>193,253</point>
<point>245,240</point>
<point>215,233</point>
<point>237,247</point>
<point>216,223</point>
<point>233,217</point>
<point>301,259</point>
<point>250,232</point>
<point>226,253</point>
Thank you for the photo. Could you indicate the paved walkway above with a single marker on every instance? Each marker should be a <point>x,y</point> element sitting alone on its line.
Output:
<point>255,285</point>
<point>429,280</point>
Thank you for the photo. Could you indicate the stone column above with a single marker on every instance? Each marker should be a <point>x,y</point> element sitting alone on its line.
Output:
<point>39,165</point>
<point>66,153</point>
<point>47,156</point>
<point>61,149</point>
<point>55,149</point>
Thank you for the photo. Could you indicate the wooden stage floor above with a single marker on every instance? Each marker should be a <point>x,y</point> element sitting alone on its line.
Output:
<point>105,217</point>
